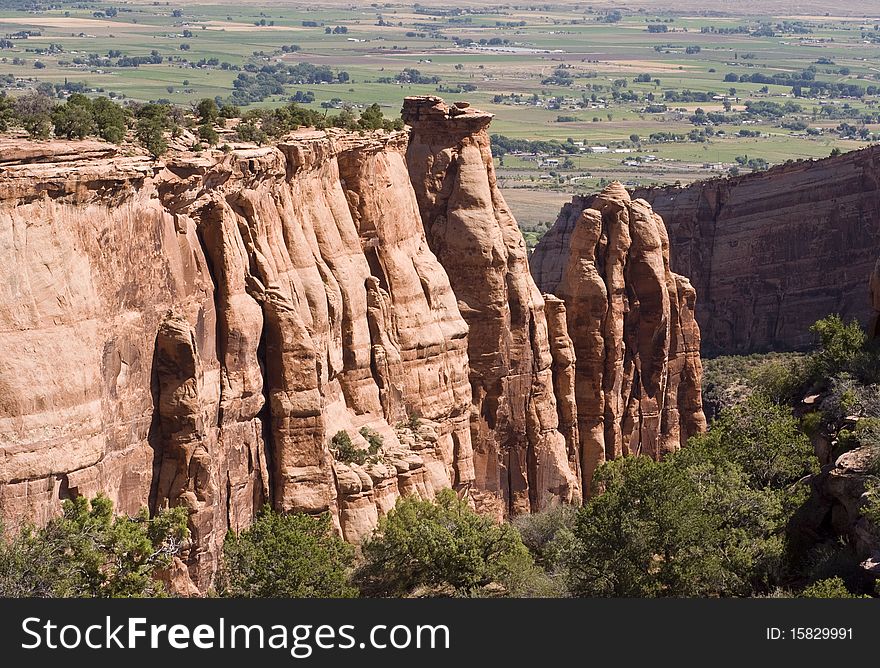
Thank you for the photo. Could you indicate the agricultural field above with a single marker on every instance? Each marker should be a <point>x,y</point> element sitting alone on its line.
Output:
<point>583,93</point>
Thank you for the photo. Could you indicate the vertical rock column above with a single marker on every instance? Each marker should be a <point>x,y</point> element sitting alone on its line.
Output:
<point>637,378</point>
<point>564,370</point>
<point>520,457</point>
<point>187,446</point>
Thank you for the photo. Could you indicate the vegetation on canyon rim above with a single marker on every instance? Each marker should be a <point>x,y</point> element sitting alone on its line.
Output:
<point>683,92</point>
<point>151,124</point>
<point>713,519</point>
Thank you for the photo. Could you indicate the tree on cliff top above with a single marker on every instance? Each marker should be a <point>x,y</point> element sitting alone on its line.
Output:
<point>286,555</point>
<point>373,119</point>
<point>34,112</point>
<point>89,552</point>
<point>7,113</point>
<point>110,119</point>
<point>152,122</point>
<point>208,111</point>
<point>74,119</point>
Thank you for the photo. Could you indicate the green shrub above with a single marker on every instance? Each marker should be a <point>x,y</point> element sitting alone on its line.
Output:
<point>345,451</point>
<point>208,134</point>
<point>764,439</point>
<point>74,119</point>
<point>687,526</point>
<point>812,423</point>
<point>829,588</point>
<point>547,534</point>
<point>871,507</point>
<point>373,438</point>
<point>728,380</point>
<point>286,556</point>
<point>89,552</point>
<point>208,111</point>
<point>249,131</point>
<point>7,112</point>
<point>443,547</point>
<point>110,119</point>
<point>34,113</point>
<point>839,344</point>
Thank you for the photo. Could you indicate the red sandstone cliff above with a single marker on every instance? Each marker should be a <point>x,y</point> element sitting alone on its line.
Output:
<point>195,332</point>
<point>768,253</point>
<point>636,344</point>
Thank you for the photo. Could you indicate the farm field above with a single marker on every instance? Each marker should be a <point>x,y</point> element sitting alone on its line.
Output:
<point>582,93</point>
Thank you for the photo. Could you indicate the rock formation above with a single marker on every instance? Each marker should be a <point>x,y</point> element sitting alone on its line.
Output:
<point>637,370</point>
<point>769,253</point>
<point>626,315</point>
<point>197,331</point>
<point>833,511</point>
<point>520,457</point>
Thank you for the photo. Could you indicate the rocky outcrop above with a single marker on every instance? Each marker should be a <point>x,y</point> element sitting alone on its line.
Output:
<point>520,457</point>
<point>834,512</point>
<point>198,331</point>
<point>624,316</point>
<point>637,374</point>
<point>195,333</point>
<point>769,253</point>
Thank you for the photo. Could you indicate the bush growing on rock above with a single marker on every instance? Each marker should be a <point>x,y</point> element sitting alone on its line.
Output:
<point>286,556</point>
<point>208,134</point>
<point>373,439</point>
<point>89,552</point>
<point>345,451</point>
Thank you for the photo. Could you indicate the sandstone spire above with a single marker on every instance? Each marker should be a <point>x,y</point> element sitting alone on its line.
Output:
<point>520,456</point>
<point>637,379</point>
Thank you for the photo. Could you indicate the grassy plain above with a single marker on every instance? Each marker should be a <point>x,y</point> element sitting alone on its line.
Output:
<point>503,59</point>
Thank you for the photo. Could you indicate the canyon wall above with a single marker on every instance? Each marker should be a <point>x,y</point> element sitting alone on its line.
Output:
<point>197,332</point>
<point>768,253</point>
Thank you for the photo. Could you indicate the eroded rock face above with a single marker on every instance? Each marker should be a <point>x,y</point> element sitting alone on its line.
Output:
<point>874,293</point>
<point>769,253</point>
<point>834,511</point>
<point>630,320</point>
<point>520,456</point>
<point>196,334</point>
